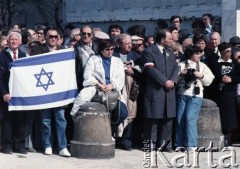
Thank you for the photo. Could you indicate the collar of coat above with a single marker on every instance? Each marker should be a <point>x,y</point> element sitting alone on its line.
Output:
<point>221,60</point>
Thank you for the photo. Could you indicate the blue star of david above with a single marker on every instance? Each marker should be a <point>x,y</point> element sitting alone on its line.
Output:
<point>44,84</point>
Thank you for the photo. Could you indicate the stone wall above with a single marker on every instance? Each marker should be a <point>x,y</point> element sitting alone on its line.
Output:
<point>115,10</point>
<point>230,19</point>
<point>102,13</point>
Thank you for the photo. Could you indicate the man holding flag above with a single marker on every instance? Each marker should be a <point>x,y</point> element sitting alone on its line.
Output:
<point>51,36</point>
<point>13,131</point>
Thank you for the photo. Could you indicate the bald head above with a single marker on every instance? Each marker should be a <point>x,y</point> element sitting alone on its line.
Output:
<point>215,39</point>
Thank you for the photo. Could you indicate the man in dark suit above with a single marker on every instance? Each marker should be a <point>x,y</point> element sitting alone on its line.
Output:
<point>13,131</point>
<point>51,37</point>
<point>161,73</point>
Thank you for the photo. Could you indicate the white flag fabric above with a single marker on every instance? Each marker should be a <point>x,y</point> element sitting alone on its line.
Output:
<point>43,81</point>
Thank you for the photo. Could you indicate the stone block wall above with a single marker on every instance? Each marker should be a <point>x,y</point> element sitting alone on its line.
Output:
<point>105,12</point>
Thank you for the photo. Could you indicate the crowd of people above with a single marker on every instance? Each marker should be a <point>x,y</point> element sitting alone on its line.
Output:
<point>160,81</point>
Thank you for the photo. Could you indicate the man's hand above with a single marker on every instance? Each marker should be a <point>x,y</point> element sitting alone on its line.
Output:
<point>169,84</point>
<point>7,97</point>
<point>129,70</point>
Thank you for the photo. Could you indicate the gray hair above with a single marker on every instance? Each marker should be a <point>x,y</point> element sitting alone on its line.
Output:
<point>121,37</point>
<point>14,32</point>
<point>74,32</point>
<point>215,33</point>
<point>86,26</point>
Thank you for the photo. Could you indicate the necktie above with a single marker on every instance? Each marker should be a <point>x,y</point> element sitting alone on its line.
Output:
<point>14,55</point>
<point>165,53</point>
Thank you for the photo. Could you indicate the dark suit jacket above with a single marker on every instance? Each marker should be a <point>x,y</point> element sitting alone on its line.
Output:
<point>211,60</point>
<point>5,63</point>
<point>130,56</point>
<point>159,102</point>
<point>42,49</point>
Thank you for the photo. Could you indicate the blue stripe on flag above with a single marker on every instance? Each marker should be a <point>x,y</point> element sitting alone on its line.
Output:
<point>48,58</point>
<point>36,100</point>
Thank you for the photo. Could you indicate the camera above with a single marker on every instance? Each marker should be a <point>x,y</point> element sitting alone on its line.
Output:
<point>189,78</point>
<point>127,63</point>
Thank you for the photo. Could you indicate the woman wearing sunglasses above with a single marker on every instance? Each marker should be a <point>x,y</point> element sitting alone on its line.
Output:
<point>103,73</point>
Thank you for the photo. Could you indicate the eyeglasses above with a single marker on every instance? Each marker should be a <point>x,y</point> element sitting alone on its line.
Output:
<point>85,33</point>
<point>109,49</point>
<point>53,36</point>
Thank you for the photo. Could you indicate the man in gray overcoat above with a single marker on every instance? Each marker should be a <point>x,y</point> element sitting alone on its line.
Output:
<point>161,74</point>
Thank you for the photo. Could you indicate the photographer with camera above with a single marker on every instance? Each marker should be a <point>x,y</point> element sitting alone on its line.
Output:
<point>193,76</point>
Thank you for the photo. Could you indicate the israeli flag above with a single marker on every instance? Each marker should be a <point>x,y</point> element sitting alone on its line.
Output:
<point>43,81</point>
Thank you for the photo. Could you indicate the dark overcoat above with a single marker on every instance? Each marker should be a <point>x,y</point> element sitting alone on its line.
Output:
<point>159,102</point>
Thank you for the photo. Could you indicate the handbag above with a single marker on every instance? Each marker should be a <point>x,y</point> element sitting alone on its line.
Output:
<point>134,91</point>
<point>109,99</point>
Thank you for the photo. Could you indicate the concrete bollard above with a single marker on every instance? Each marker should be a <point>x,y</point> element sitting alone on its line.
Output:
<point>209,125</point>
<point>92,133</point>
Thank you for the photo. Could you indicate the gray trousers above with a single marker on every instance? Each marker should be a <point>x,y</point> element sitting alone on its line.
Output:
<point>85,96</point>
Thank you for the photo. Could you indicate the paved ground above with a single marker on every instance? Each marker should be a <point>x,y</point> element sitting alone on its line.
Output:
<point>122,160</point>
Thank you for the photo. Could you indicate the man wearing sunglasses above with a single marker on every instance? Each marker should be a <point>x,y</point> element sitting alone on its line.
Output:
<point>83,50</point>
<point>51,36</point>
<point>137,44</point>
